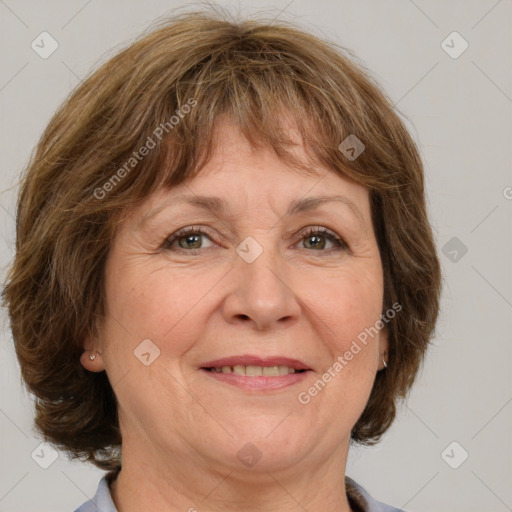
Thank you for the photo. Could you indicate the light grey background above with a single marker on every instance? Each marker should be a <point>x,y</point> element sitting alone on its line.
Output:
<point>460,115</point>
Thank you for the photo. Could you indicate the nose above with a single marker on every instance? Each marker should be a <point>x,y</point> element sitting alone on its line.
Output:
<point>260,293</point>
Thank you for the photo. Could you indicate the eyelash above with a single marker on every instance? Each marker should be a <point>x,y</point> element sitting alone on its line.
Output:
<point>310,231</point>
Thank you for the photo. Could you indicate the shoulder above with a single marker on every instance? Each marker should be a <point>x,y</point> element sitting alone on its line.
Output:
<point>361,501</point>
<point>102,500</point>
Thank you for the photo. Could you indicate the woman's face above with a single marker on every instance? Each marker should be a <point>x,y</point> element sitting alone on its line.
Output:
<point>255,283</point>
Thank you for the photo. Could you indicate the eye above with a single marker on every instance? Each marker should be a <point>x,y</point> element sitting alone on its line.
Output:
<point>316,236</point>
<point>188,238</point>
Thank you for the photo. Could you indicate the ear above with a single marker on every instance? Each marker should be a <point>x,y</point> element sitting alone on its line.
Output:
<point>91,357</point>
<point>383,347</point>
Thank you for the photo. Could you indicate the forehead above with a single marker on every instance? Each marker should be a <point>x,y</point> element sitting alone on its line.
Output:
<point>244,171</point>
<point>239,178</point>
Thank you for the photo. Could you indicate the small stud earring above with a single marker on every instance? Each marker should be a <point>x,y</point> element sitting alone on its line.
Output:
<point>92,357</point>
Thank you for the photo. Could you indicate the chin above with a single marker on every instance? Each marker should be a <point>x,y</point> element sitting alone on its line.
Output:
<point>263,446</point>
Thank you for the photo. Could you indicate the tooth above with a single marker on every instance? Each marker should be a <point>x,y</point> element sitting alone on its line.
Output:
<point>254,371</point>
<point>271,371</point>
<point>239,369</point>
<point>283,370</point>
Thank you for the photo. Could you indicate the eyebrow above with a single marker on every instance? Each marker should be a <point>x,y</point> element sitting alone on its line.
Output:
<point>218,205</point>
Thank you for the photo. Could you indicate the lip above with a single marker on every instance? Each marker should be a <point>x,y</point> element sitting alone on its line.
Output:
<point>246,360</point>
<point>257,383</point>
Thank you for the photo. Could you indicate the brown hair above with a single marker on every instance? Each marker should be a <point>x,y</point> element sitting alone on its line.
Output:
<point>88,171</point>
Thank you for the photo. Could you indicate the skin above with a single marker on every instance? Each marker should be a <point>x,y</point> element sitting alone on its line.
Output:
<point>181,428</point>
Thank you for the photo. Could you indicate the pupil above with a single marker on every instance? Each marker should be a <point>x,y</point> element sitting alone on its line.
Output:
<point>190,239</point>
<point>317,238</point>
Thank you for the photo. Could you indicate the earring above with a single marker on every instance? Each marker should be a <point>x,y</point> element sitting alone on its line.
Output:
<point>384,362</point>
<point>92,357</point>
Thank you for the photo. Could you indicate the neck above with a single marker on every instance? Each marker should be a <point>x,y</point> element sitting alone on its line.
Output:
<point>184,484</point>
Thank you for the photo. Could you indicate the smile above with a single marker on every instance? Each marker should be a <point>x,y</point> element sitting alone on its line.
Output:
<point>255,371</point>
<point>257,378</point>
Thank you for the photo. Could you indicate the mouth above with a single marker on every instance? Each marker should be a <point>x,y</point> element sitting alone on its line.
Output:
<point>256,373</point>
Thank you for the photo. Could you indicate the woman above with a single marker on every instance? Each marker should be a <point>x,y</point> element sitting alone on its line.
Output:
<point>224,250</point>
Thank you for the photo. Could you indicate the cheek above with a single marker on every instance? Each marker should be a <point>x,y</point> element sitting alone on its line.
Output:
<point>345,304</point>
<point>163,309</point>
<point>157,303</point>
